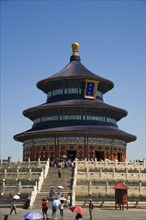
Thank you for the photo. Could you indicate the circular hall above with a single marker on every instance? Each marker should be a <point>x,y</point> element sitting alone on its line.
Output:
<point>75,122</point>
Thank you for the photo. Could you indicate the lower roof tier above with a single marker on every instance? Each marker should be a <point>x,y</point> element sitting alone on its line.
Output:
<point>86,130</point>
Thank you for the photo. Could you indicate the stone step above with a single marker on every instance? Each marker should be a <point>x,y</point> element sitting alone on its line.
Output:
<point>52,179</point>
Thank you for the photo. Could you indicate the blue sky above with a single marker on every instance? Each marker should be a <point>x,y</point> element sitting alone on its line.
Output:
<point>36,38</point>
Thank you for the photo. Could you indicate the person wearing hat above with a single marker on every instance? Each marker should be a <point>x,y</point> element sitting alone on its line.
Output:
<point>91,206</point>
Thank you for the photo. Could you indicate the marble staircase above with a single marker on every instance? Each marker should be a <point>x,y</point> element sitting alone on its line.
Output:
<point>52,179</point>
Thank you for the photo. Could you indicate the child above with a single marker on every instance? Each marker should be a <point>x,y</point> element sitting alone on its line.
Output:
<point>61,206</point>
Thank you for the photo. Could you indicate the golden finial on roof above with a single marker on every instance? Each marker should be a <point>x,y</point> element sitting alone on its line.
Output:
<point>75,49</point>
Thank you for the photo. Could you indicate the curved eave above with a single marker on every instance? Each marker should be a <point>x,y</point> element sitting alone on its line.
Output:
<point>102,131</point>
<point>74,70</point>
<point>78,103</point>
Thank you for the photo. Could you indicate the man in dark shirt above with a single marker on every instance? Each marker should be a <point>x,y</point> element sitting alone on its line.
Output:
<point>91,206</point>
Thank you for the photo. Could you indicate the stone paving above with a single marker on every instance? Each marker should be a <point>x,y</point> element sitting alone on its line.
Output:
<point>98,214</point>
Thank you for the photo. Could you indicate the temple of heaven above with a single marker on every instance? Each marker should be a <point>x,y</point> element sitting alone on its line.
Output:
<point>74,122</point>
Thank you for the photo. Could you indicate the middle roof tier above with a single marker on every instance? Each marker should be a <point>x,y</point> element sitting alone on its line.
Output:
<point>77,106</point>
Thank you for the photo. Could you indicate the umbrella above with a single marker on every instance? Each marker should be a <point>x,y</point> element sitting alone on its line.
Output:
<point>16,197</point>
<point>77,209</point>
<point>52,187</point>
<point>33,215</point>
<point>62,199</point>
<point>60,187</point>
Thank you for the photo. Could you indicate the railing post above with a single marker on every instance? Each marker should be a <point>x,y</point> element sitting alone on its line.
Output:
<point>47,166</point>
<point>126,174</point>
<point>76,163</point>
<point>73,198</point>
<point>140,186</point>
<point>95,162</point>
<point>87,173</point>
<point>17,173</point>
<point>19,188</point>
<point>85,162</point>
<point>113,173</point>
<point>5,173</point>
<point>125,163</point>
<point>3,187</point>
<point>29,174</point>
<point>75,176</point>
<point>115,163</point>
<point>90,188</point>
<point>139,174</point>
<point>100,174</point>
<point>107,188</point>
<point>105,162</point>
<point>39,162</point>
<point>28,162</point>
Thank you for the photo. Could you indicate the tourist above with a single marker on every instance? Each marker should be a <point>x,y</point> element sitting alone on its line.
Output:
<point>58,193</point>
<point>51,194</point>
<point>59,164</point>
<point>45,208</point>
<point>6,217</point>
<point>61,207</point>
<point>55,204</point>
<point>27,203</point>
<point>79,216</point>
<point>91,206</point>
<point>59,173</point>
<point>13,207</point>
<point>68,200</point>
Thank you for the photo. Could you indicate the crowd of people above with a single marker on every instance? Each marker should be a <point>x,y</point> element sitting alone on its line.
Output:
<point>62,164</point>
<point>57,202</point>
<point>57,199</point>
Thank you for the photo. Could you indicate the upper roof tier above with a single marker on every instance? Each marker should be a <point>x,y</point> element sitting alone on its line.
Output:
<point>75,70</point>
